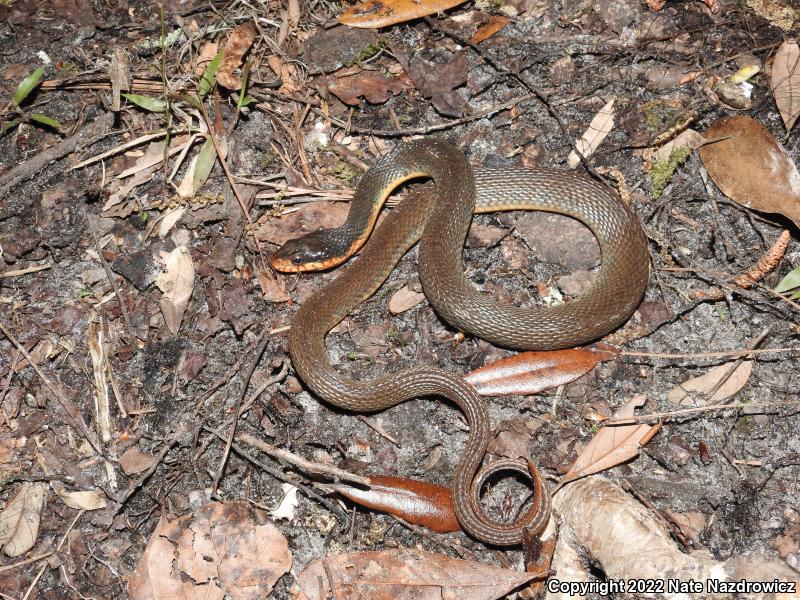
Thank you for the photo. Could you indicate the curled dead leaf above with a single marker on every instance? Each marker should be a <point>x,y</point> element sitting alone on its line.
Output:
<point>786,82</point>
<point>417,502</point>
<point>705,383</point>
<point>237,45</point>
<point>613,444</point>
<point>375,87</point>
<point>751,167</point>
<point>176,281</point>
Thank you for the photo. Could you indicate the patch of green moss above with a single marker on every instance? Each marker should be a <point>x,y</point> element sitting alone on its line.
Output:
<point>661,171</point>
<point>660,115</point>
<point>369,51</point>
<point>345,172</point>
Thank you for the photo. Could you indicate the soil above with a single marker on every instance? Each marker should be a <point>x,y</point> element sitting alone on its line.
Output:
<point>735,471</point>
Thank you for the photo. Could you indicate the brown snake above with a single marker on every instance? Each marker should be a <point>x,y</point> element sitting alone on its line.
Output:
<point>442,220</point>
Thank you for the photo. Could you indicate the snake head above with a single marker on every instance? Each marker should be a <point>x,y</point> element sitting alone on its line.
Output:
<point>311,252</point>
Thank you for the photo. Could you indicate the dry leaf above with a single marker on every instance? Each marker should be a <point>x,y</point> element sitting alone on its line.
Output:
<point>135,461</point>
<point>416,502</point>
<point>176,281</point>
<point>170,219</point>
<point>237,45</point>
<point>273,288</point>
<point>406,574</point>
<point>19,521</point>
<point>597,131</point>
<point>376,87</point>
<point>686,139</point>
<point>751,167</point>
<point>532,372</point>
<point>404,299</point>
<point>488,29</point>
<point>707,382</point>
<point>382,13</point>
<point>613,444</point>
<point>82,500</point>
<point>220,550</point>
<point>119,72</point>
<point>786,82</point>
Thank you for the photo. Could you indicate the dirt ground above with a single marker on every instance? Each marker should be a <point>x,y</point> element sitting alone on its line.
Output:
<point>728,478</point>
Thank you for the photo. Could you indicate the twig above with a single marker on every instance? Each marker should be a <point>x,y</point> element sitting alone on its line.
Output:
<point>238,412</point>
<point>698,409</point>
<point>718,354</point>
<point>86,136</point>
<point>277,474</point>
<point>58,547</point>
<point>126,317</point>
<point>18,272</point>
<point>27,561</point>
<point>428,128</point>
<point>300,462</point>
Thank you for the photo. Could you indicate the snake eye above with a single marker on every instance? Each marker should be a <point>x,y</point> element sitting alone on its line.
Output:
<point>297,259</point>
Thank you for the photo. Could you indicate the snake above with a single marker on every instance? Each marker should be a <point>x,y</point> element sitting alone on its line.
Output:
<point>440,220</point>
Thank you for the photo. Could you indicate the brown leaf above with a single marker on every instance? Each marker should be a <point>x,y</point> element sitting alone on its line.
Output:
<point>404,299</point>
<point>417,502</point>
<point>19,521</point>
<point>81,499</point>
<point>708,381</point>
<point>222,549</point>
<point>176,282</point>
<point>488,29</point>
<point>613,444</point>
<point>135,461</point>
<point>237,45</point>
<point>376,87</point>
<point>382,13</point>
<point>532,372</point>
<point>786,82</point>
<point>312,216</point>
<point>273,288</point>
<point>751,167</point>
<point>438,81</point>
<point>406,574</point>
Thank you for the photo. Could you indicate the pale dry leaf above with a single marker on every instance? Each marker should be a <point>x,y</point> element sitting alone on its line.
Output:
<point>686,139</point>
<point>406,573</point>
<point>703,384</point>
<point>200,167</point>
<point>170,219</point>
<point>83,500</point>
<point>237,45</point>
<point>594,135</point>
<point>288,504</point>
<point>613,444</point>
<point>751,167</point>
<point>119,72</point>
<point>223,549</point>
<point>206,54</point>
<point>404,299</point>
<point>786,82</point>
<point>176,281</point>
<point>19,521</point>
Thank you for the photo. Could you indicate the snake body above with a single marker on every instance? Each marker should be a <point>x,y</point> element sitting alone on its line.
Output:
<point>442,220</point>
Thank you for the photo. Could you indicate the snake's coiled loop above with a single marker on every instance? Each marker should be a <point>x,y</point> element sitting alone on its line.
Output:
<point>443,219</point>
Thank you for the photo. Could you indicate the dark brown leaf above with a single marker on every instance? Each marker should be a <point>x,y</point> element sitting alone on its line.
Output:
<point>376,87</point>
